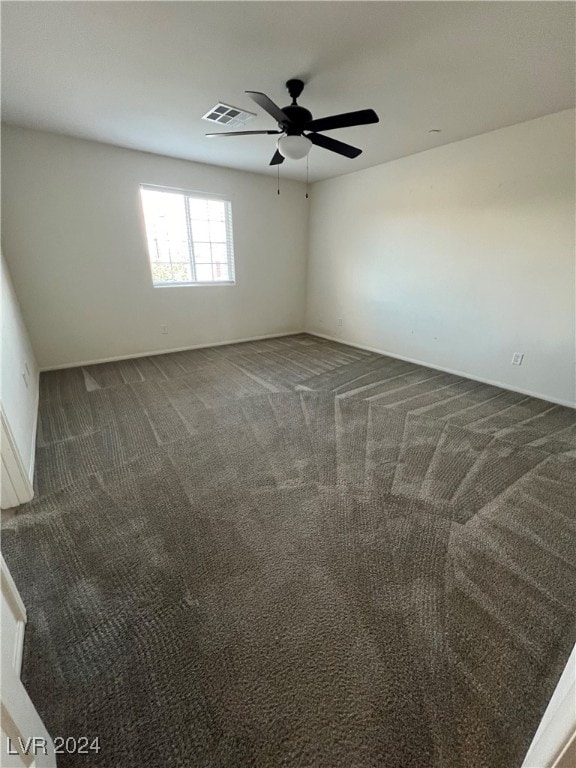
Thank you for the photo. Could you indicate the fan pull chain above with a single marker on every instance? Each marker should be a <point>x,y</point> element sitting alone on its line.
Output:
<point>278,170</point>
<point>306,177</point>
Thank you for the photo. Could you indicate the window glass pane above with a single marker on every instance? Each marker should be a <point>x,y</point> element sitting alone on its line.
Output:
<point>204,273</point>
<point>182,272</point>
<point>167,233</point>
<point>201,231</point>
<point>165,216</point>
<point>216,210</point>
<point>162,272</point>
<point>198,208</point>
<point>219,253</point>
<point>218,231</point>
<point>154,250</point>
<point>181,251</point>
<point>202,253</point>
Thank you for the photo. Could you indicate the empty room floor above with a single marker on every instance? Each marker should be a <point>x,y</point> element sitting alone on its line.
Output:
<point>295,553</point>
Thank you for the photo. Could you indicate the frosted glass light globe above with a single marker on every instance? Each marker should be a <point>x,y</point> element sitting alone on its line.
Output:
<point>294,147</point>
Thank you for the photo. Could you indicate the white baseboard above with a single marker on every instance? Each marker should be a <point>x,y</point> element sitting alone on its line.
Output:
<point>168,351</point>
<point>454,371</point>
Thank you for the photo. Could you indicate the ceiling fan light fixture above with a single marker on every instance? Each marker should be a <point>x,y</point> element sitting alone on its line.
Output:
<point>294,120</point>
<point>294,147</point>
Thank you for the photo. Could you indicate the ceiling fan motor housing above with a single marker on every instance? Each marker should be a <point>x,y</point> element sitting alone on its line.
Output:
<point>298,117</point>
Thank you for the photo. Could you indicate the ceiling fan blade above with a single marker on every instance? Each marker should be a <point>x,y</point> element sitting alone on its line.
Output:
<point>240,133</point>
<point>277,159</point>
<point>346,120</point>
<point>268,106</point>
<point>326,142</point>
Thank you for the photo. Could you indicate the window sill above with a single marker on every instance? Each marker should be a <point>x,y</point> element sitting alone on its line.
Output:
<point>212,284</point>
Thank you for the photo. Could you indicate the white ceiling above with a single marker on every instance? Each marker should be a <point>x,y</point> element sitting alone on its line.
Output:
<point>142,74</point>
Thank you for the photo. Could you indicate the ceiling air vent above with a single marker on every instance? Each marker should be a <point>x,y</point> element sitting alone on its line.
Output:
<point>233,117</point>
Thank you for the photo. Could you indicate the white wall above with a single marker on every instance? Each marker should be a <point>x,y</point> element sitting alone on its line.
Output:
<point>74,239</point>
<point>457,257</point>
<point>19,379</point>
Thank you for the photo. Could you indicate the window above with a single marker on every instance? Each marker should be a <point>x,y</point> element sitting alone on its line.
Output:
<point>189,237</point>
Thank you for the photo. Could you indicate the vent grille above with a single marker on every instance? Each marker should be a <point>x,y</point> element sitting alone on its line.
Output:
<point>224,114</point>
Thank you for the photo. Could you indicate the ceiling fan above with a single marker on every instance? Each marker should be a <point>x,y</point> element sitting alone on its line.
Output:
<point>299,131</point>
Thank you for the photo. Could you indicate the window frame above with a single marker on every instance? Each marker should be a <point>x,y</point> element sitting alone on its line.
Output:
<point>198,195</point>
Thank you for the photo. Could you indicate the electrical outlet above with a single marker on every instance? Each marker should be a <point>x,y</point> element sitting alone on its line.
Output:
<point>339,322</point>
<point>164,329</point>
<point>517,358</point>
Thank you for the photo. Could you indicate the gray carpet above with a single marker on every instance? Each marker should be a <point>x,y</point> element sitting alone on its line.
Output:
<point>295,553</point>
